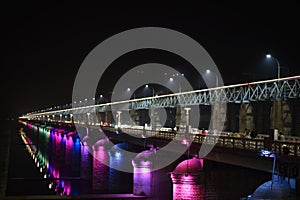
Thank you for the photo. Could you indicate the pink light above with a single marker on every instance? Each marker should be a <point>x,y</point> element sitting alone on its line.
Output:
<point>185,142</point>
<point>67,187</point>
<point>188,191</point>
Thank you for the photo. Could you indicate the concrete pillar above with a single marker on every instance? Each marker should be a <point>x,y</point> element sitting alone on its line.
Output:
<point>142,176</point>
<point>218,116</point>
<point>188,180</point>
<point>178,116</point>
<point>187,120</point>
<point>152,118</point>
<point>246,117</point>
<point>108,117</point>
<point>88,118</point>
<point>71,117</point>
<point>119,118</point>
<point>281,117</point>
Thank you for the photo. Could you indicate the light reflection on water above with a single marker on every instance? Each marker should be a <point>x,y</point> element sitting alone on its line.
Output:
<point>72,169</point>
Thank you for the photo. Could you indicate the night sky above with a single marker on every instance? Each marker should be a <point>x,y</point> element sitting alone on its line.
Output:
<point>43,46</point>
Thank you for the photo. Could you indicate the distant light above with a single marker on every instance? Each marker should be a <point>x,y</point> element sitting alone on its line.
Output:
<point>85,99</point>
<point>146,86</point>
<point>208,71</point>
<point>93,98</point>
<point>171,79</point>
<point>182,74</point>
<point>268,56</point>
<point>101,95</point>
<point>128,89</point>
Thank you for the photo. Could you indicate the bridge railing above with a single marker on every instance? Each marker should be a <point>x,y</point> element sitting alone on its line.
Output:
<point>231,142</point>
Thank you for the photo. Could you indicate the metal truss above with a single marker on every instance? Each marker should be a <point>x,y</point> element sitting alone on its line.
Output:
<point>283,89</point>
<point>276,89</point>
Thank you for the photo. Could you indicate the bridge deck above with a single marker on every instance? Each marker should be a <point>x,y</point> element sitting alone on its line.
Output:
<point>222,140</point>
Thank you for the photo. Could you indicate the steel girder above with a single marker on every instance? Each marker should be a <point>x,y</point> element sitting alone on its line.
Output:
<point>276,89</point>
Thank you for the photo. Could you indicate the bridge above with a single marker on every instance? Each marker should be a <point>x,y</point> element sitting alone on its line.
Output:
<point>236,148</point>
<point>249,96</point>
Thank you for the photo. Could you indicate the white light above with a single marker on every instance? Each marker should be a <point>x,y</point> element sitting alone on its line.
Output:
<point>171,79</point>
<point>41,170</point>
<point>101,96</point>
<point>208,71</point>
<point>50,185</point>
<point>128,89</point>
<point>146,86</point>
<point>268,56</point>
<point>85,99</point>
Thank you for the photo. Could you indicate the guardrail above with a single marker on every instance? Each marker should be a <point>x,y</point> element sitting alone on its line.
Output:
<point>288,148</point>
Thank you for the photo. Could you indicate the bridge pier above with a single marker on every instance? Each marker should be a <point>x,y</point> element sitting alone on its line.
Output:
<point>246,118</point>
<point>142,167</point>
<point>188,180</point>
<point>108,117</point>
<point>218,116</point>
<point>281,117</point>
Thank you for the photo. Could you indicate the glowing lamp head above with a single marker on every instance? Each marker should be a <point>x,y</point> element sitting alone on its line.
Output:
<point>268,56</point>
<point>208,71</point>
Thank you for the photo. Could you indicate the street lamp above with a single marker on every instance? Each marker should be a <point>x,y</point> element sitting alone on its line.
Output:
<point>179,85</point>
<point>217,78</point>
<point>128,90</point>
<point>153,91</point>
<point>278,65</point>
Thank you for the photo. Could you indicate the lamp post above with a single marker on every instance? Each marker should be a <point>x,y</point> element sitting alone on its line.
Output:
<point>269,56</point>
<point>153,91</point>
<point>179,85</point>
<point>217,78</point>
<point>128,90</point>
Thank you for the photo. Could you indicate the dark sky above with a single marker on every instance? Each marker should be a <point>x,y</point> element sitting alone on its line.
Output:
<point>43,46</point>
